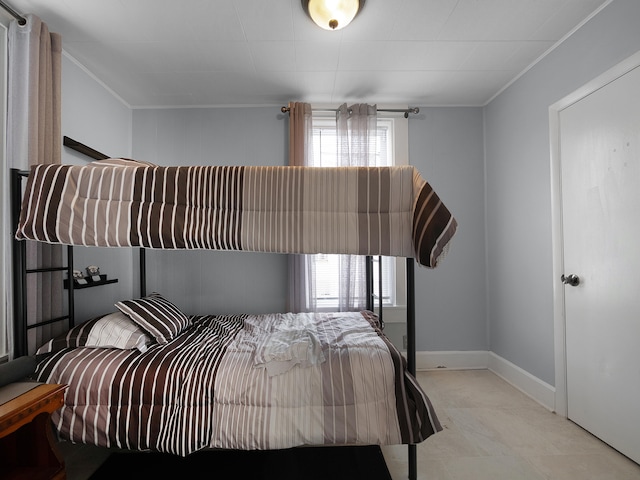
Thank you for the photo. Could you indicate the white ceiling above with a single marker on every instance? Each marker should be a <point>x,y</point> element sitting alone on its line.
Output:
<point>164,53</point>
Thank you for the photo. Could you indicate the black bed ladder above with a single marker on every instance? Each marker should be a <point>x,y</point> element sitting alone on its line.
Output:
<point>20,272</point>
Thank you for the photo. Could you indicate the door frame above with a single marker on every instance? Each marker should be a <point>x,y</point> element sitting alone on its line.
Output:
<point>619,70</point>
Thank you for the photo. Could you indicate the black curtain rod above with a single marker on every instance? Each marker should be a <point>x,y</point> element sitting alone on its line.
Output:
<point>406,111</point>
<point>21,20</point>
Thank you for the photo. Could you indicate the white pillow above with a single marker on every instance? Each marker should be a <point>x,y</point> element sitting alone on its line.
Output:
<point>114,330</point>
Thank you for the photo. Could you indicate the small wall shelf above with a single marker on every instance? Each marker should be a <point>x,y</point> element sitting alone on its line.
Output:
<point>91,283</point>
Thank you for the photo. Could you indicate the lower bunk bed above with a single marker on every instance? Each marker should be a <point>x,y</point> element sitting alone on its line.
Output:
<point>149,377</point>
<point>247,382</point>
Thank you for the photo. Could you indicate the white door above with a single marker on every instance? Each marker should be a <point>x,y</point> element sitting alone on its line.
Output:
<point>600,190</point>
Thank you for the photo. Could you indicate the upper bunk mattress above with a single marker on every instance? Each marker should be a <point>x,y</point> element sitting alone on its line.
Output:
<point>389,211</point>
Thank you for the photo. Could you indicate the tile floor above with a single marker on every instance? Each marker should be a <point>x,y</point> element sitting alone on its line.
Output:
<point>492,431</point>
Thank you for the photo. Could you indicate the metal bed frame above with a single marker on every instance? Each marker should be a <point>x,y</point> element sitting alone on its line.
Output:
<point>20,272</point>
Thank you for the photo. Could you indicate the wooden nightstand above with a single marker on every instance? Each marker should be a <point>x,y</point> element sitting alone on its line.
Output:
<point>27,446</point>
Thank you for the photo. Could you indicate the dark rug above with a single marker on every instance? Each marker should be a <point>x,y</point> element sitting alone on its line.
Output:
<point>308,463</point>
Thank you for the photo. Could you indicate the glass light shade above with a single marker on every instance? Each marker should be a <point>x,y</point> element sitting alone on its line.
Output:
<point>332,14</point>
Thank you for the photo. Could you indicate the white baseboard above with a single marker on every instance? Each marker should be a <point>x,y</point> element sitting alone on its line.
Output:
<point>463,360</point>
<point>541,392</point>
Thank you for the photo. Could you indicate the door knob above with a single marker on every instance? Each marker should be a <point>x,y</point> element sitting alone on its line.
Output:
<point>571,279</point>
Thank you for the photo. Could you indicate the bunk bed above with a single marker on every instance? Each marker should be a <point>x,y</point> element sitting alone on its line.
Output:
<point>267,381</point>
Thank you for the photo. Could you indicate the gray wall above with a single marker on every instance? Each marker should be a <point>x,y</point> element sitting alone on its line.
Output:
<point>93,116</point>
<point>204,282</point>
<point>518,185</point>
<point>446,146</point>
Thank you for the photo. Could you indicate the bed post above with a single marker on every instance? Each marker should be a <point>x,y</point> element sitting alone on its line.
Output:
<point>19,266</point>
<point>370,304</point>
<point>411,353</point>
<point>411,317</point>
<point>381,318</point>
<point>368,264</point>
<point>71,308</point>
<point>143,273</point>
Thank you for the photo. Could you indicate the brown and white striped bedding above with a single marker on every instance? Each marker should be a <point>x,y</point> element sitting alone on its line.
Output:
<point>207,388</point>
<point>388,211</point>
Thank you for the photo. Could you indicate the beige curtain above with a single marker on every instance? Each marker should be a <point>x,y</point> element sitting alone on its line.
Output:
<point>302,296</point>
<point>34,137</point>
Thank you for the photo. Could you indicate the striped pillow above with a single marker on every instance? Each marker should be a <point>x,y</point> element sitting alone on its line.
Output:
<point>157,315</point>
<point>114,330</point>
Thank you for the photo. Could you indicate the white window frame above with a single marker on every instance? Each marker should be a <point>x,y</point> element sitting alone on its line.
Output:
<point>398,147</point>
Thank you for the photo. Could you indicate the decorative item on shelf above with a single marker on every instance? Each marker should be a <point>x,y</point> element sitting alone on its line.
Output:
<point>94,273</point>
<point>87,281</point>
<point>78,278</point>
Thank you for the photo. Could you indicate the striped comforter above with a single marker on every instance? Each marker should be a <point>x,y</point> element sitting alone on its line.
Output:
<point>209,388</point>
<point>388,211</point>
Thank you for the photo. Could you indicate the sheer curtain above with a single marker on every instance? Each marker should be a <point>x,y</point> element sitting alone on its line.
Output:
<point>302,295</point>
<point>357,144</point>
<point>34,137</point>
<point>356,134</point>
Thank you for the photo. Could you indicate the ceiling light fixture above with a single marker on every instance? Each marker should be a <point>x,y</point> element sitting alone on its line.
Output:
<point>332,14</point>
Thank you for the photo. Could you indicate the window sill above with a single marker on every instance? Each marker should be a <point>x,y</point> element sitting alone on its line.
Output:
<point>393,313</point>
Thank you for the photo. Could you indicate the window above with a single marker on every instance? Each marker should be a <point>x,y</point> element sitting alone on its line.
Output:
<point>325,142</point>
<point>392,149</point>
